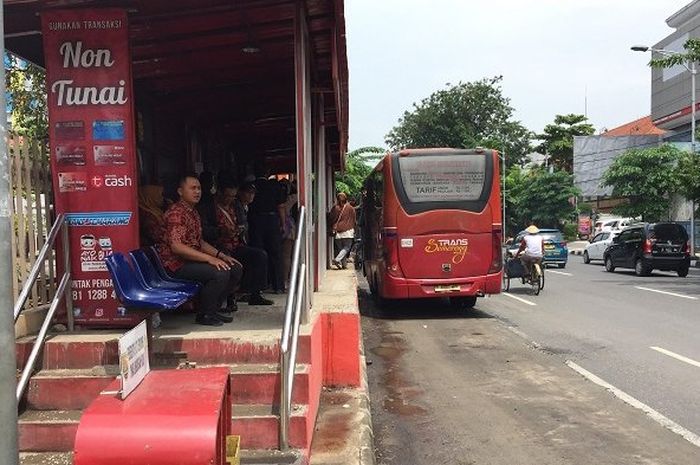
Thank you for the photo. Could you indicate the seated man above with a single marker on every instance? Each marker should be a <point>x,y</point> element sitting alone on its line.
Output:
<point>254,260</point>
<point>533,246</point>
<point>187,256</point>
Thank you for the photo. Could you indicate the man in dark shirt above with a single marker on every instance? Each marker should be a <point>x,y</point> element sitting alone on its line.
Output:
<point>266,225</point>
<point>188,256</point>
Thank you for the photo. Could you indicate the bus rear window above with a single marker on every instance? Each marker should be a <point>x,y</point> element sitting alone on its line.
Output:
<point>443,178</point>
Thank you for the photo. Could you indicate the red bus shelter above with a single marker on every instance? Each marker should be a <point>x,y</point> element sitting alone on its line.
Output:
<point>221,85</point>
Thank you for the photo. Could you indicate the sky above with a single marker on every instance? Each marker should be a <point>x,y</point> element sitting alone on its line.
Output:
<point>554,55</point>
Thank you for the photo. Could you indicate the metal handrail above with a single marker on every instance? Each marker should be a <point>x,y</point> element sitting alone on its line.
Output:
<point>290,331</point>
<point>60,292</point>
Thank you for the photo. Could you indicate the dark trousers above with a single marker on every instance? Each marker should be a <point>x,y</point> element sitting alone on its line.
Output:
<point>265,234</point>
<point>216,284</point>
<point>254,261</point>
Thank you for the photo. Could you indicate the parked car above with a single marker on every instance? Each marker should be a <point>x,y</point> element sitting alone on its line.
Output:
<point>600,242</point>
<point>647,247</point>
<point>555,248</point>
<point>612,224</point>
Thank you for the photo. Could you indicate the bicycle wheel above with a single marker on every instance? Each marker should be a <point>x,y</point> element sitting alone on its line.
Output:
<point>535,279</point>
<point>542,278</point>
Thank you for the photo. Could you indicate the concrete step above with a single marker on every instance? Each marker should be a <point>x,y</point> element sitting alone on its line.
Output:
<point>68,389</point>
<point>257,457</point>
<point>75,389</point>
<point>258,426</point>
<point>46,458</point>
<point>48,430</point>
<point>260,384</point>
<point>87,350</point>
<point>272,457</point>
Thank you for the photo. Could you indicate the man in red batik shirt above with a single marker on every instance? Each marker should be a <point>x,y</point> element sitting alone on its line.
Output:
<point>187,256</point>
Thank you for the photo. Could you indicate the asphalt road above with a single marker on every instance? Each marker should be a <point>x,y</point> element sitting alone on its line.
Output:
<point>492,386</point>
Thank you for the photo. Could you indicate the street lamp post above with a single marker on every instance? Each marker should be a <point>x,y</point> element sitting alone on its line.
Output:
<point>690,66</point>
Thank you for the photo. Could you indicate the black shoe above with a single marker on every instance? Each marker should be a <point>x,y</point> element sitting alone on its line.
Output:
<point>208,319</point>
<point>224,318</point>
<point>257,299</point>
<point>231,306</point>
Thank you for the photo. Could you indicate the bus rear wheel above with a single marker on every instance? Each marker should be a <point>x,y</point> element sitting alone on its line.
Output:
<point>463,303</point>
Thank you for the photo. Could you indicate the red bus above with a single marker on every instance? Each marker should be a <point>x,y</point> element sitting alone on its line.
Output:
<point>431,225</point>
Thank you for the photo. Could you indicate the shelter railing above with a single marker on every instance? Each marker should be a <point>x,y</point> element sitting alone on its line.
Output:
<point>290,332</point>
<point>60,226</point>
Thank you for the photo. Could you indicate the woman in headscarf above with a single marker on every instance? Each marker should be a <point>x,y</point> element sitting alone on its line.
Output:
<point>151,223</point>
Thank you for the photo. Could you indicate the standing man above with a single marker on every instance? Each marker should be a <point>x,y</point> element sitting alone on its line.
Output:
<point>187,256</point>
<point>266,225</point>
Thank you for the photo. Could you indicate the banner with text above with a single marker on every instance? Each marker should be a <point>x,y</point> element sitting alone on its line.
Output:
<point>93,163</point>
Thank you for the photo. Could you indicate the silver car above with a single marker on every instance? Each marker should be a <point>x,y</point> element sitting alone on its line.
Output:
<point>600,242</point>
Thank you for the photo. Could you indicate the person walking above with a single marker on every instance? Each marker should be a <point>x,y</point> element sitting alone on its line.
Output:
<point>342,217</point>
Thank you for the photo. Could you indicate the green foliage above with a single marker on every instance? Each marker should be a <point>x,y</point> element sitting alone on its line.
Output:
<point>647,177</point>
<point>357,168</point>
<point>558,139</point>
<point>691,54</point>
<point>540,197</point>
<point>688,172</point>
<point>466,115</point>
<point>26,90</point>
<point>570,231</point>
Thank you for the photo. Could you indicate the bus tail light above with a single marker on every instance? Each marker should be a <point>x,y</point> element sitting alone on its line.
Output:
<point>496,254</point>
<point>390,242</point>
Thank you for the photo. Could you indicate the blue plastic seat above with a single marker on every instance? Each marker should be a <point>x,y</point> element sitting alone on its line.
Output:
<point>155,259</point>
<point>133,294</point>
<point>152,279</point>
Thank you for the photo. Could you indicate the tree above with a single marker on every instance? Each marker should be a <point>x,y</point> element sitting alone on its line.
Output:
<point>25,83</point>
<point>688,171</point>
<point>647,178</point>
<point>466,115</point>
<point>357,168</point>
<point>558,139</point>
<point>540,197</point>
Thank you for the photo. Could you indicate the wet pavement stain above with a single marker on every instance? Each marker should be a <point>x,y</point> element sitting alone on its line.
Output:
<point>399,391</point>
<point>332,432</point>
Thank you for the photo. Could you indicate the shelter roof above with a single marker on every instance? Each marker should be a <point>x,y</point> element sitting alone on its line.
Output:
<point>189,56</point>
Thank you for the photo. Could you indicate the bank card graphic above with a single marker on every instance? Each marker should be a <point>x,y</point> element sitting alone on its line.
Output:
<point>109,155</point>
<point>69,130</point>
<point>72,181</point>
<point>108,130</point>
<point>70,155</point>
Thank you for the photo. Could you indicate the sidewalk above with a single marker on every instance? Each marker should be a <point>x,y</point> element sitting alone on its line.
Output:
<point>577,247</point>
<point>343,433</point>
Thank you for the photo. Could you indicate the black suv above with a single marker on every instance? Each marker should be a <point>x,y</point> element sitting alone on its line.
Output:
<point>646,247</point>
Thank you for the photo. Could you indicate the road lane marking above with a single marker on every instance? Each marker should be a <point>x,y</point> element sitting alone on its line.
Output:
<point>666,293</point>
<point>519,299</point>
<point>676,356</point>
<point>653,414</point>
<point>559,272</point>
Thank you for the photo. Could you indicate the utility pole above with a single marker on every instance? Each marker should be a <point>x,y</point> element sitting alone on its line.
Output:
<point>8,367</point>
